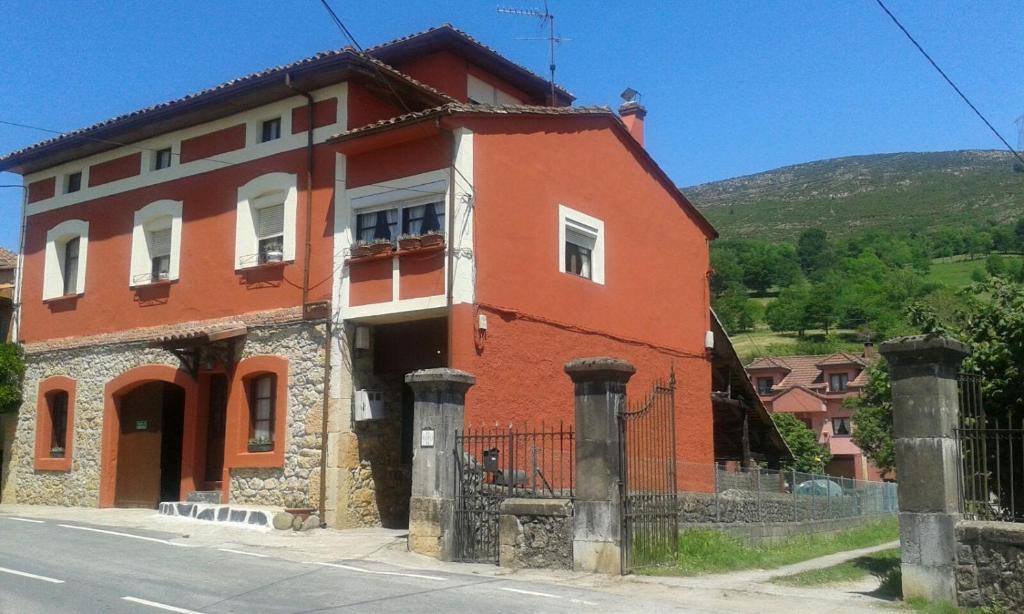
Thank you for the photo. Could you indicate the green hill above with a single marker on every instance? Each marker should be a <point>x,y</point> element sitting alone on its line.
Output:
<point>895,192</point>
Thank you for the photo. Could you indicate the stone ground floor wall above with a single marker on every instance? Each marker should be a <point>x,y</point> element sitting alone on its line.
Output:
<point>8,427</point>
<point>990,565</point>
<point>535,533</point>
<point>93,366</point>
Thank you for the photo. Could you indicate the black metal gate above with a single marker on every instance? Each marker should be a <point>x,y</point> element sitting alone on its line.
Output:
<point>493,464</point>
<point>991,446</point>
<point>647,453</point>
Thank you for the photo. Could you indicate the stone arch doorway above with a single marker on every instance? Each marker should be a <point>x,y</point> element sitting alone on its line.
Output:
<point>148,438</point>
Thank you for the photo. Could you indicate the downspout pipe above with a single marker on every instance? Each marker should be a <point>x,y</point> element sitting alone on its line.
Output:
<point>309,190</point>
<point>307,252</point>
<point>450,219</point>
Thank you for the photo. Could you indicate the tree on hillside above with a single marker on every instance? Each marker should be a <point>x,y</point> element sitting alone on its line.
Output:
<point>727,271</point>
<point>808,455</point>
<point>12,370</point>
<point>786,313</point>
<point>813,251</point>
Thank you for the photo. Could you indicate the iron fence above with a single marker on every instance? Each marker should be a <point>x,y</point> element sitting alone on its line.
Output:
<point>497,463</point>
<point>991,446</point>
<point>723,493</point>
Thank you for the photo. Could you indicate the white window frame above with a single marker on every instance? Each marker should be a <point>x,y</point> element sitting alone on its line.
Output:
<point>66,180</point>
<point>157,215</point>
<point>400,205</point>
<point>587,225</point>
<point>53,266</point>
<point>264,191</point>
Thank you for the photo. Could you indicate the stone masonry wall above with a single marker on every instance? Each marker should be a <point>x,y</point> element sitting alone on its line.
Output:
<point>535,533</point>
<point>744,506</point>
<point>93,366</point>
<point>297,484</point>
<point>990,565</point>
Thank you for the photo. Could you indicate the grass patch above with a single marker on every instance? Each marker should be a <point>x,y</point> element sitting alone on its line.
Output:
<point>704,551</point>
<point>879,564</point>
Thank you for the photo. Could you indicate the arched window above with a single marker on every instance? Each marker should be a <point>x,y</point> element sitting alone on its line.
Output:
<point>156,243</point>
<point>265,220</point>
<point>55,420</point>
<point>67,248</point>
<point>258,413</point>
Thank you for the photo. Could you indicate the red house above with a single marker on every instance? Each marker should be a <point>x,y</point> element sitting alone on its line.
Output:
<point>813,388</point>
<point>223,292</point>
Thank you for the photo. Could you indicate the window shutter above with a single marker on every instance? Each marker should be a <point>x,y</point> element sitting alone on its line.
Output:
<point>160,243</point>
<point>578,238</point>
<point>270,221</point>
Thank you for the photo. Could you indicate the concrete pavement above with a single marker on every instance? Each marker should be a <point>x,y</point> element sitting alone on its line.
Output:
<point>88,560</point>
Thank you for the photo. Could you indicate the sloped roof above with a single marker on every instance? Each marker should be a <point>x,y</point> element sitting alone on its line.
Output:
<point>266,85</point>
<point>841,358</point>
<point>8,259</point>
<point>456,108</point>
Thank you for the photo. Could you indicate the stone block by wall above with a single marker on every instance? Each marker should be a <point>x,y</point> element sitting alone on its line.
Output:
<point>535,533</point>
<point>990,565</point>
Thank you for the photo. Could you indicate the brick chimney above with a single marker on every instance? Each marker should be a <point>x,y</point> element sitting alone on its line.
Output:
<point>633,114</point>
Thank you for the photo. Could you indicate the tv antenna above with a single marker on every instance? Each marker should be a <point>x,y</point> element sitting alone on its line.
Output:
<point>546,18</point>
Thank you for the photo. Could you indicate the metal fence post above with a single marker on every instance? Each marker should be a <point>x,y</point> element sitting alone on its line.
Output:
<point>792,488</point>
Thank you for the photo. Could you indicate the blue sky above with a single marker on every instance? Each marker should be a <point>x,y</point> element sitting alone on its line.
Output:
<point>732,88</point>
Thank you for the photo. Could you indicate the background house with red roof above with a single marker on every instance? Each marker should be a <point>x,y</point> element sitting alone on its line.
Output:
<point>813,388</point>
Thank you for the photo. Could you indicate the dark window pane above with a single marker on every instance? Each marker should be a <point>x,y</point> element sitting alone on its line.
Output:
<point>71,266</point>
<point>58,402</point>
<point>271,130</point>
<point>163,158</point>
<point>577,260</point>
<point>261,408</point>
<point>74,182</point>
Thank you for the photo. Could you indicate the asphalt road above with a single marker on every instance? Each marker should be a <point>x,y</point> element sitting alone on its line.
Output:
<point>51,566</point>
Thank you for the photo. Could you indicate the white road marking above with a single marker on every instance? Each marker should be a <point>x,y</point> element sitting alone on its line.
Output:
<point>23,519</point>
<point>522,592</point>
<point>162,606</point>
<point>262,556</point>
<point>581,602</point>
<point>31,575</point>
<point>378,573</point>
<point>105,532</point>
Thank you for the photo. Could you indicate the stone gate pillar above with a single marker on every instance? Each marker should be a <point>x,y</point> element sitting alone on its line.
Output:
<point>925,407</point>
<point>439,409</point>
<point>600,391</point>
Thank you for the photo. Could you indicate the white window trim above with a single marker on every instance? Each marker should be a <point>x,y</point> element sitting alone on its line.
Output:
<point>141,263</point>
<point>483,92</point>
<point>584,224</point>
<point>53,270</point>
<point>252,196</point>
<point>64,177</point>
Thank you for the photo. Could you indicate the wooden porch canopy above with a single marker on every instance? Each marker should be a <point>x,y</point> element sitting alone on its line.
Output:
<point>187,343</point>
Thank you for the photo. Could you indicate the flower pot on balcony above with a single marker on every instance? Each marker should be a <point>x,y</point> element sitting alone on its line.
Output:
<point>407,242</point>
<point>273,257</point>
<point>432,238</point>
<point>360,250</point>
<point>380,247</point>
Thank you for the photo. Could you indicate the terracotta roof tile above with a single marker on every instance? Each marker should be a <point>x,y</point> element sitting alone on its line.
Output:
<point>805,371</point>
<point>460,107</point>
<point>8,259</point>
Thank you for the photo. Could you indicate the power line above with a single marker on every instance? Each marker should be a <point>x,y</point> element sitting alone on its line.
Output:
<point>949,81</point>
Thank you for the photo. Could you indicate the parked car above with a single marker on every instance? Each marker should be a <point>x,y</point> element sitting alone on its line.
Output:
<point>819,488</point>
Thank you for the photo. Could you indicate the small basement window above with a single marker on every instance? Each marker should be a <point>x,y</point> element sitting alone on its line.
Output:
<point>73,182</point>
<point>270,130</point>
<point>57,404</point>
<point>270,233</point>
<point>261,409</point>
<point>162,158</point>
<point>582,245</point>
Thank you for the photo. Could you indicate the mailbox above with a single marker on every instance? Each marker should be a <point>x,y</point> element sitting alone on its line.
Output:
<point>491,461</point>
<point>369,405</point>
